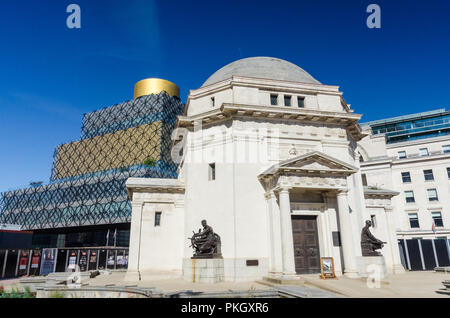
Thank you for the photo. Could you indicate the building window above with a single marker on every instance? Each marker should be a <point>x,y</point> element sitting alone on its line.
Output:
<point>428,174</point>
<point>301,102</point>
<point>212,171</point>
<point>432,195</point>
<point>448,173</point>
<point>413,220</point>
<point>446,149</point>
<point>158,218</point>
<point>364,179</point>
<point>437,219</point>
<point>273,99</point>
<point>406,177</point>
<point>401,154</point>
<point>409,195</point>
<point>287,100</point>
<point>373,219</point>
<point>423,152</point>
<point>213,102</point>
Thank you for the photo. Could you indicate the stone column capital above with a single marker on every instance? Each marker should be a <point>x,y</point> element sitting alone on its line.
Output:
<point>284,189</point>
<point>269,194</point>
<point>343,192</point>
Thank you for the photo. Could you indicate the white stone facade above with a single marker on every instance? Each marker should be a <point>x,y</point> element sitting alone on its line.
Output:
<point>383,168</point>
<point>249,168</point>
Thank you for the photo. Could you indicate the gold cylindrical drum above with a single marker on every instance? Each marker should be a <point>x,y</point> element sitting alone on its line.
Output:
<point>155,86</point>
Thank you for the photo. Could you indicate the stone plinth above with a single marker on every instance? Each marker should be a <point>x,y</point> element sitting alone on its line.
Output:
<point>209,270</point>
<point>371,265</point>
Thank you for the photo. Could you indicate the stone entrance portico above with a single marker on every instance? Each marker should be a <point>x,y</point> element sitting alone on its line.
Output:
<point>311,175</point>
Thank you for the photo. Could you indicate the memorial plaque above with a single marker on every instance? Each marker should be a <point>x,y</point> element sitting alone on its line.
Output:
<point>336,238</point>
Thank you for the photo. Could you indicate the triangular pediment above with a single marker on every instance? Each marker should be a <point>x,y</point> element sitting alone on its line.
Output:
<point>313,162</point>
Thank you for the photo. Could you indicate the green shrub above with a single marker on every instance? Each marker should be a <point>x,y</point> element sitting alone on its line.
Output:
<point>150,162</point>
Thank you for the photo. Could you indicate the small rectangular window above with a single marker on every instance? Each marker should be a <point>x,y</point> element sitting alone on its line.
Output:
<point>401,154</point>
<point>409,195</point>
<point>432,195</point>
<point>448,173</point>
<point>406,177</point>
<point>423,152</point>
<point>413,220</point>
<point>213,101</point>
<point>287,100</point>
<point>446,149</point>
<point>301,102</point>
<point>212,171</point>
<point>437,219</point>
<point>428,175</point>
<point>158,218</point>
<point>273,99</point>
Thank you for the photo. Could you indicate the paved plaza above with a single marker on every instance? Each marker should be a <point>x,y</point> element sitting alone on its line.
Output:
<point>427,284</point>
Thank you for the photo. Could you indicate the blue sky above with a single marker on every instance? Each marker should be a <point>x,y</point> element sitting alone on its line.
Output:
<point>51,75</point>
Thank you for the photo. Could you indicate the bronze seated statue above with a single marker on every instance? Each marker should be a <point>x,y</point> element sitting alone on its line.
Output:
<point>206,243</point>
<point>369,243</point>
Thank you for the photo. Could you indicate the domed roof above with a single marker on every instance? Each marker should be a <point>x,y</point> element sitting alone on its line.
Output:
<point>262,67</point>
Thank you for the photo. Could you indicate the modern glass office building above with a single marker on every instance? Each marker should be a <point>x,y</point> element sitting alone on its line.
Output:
<point>412,127</point>
<point>86,201</point>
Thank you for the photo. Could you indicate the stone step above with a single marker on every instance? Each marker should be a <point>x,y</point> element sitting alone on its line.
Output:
<point>274,280</point>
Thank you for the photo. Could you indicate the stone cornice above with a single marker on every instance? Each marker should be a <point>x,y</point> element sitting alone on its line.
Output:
<point>154,186</point>
<point>228,111</point>
<point>264,84</point>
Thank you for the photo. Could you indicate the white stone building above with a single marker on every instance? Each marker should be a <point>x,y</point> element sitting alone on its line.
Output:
<point>269,157</point>
<point>411,154</point>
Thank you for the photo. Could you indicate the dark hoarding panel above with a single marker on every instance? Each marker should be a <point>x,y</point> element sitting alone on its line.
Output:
<point>442,252</point>
<point>15,239</point>
<point>414,255</point>
<point>428,254</point>
<point>61,260</point>
<point>11,264</point>
<point>2,261</point>
<point>102,260</point>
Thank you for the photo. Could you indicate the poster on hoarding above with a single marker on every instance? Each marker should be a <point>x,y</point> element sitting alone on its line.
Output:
<point>48,260</point>
<point>72,261</point>
<point>83,261</point>
<point>23,262</point>
<point>35,261</point>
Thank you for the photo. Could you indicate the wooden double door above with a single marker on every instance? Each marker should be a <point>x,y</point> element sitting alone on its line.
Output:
<point>306,244</point>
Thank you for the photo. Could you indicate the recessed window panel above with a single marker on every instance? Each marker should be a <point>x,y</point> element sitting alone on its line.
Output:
<point>428,175</point>
<point>273,99</point>
<point>406,177</point>
<point>413,220</point>
<point>432,195</point>
<point>287,100</point>
<point>409,196</point>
